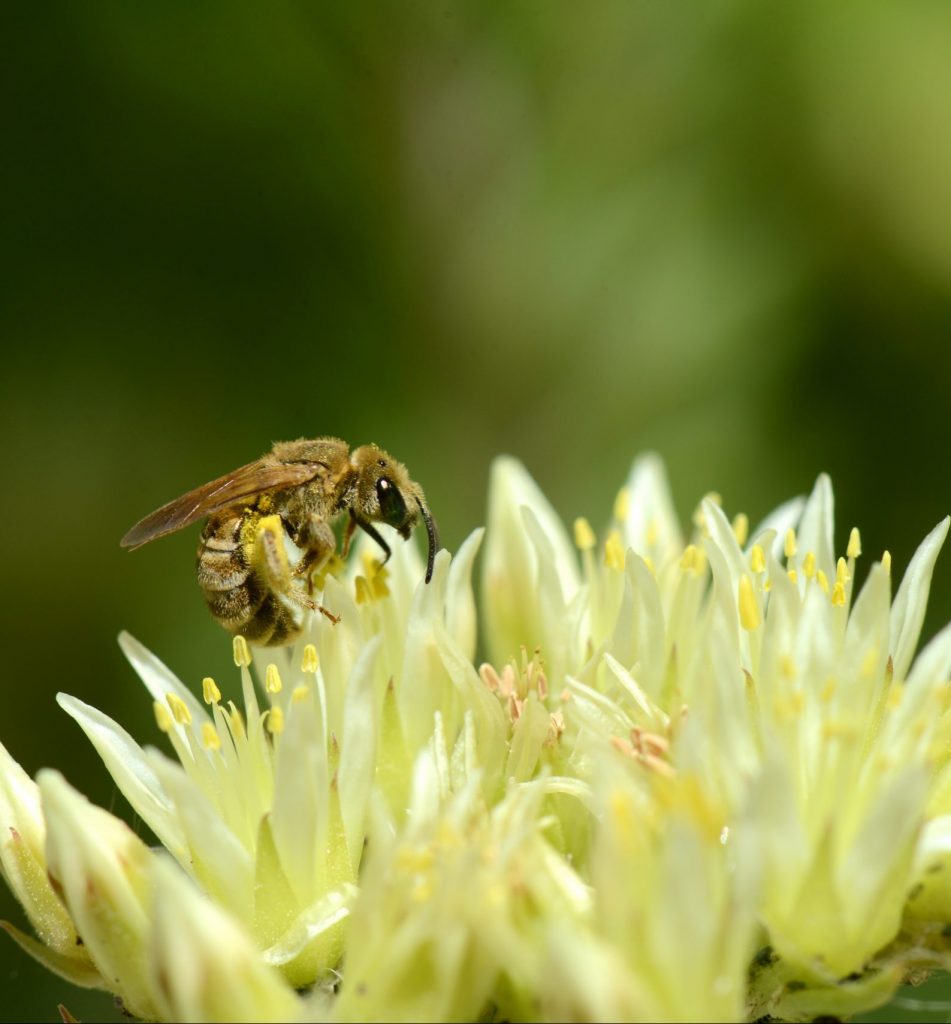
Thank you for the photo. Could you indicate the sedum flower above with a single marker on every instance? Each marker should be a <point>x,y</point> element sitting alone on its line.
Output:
<point>700,775</point>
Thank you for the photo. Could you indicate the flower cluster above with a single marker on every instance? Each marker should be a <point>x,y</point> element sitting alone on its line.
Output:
<point>697,777</point>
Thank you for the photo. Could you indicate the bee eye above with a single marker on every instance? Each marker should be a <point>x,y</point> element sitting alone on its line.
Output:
<point>392,506</point>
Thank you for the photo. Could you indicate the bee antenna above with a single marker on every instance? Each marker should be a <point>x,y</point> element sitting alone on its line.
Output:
<point>433,538</point>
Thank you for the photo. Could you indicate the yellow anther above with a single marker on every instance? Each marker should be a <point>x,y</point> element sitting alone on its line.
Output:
<point>300,694</point>
<point>823,581</point>
<point>887,562</point>
<point>309,661</point>
<point>237,722</point>
<point>750,617</point>
<point>793,575</point>
<point>838,595</point>
<point>787,666</point>
<point>379,587</point>
<point>688,560</point>
<point>758,558</point>
<point>809,565</point>
<point>741,528</point>
<point>622,504</point>
<point>585,539</point>
<point>162,717</point>
<point>789,547</point>
<point>179,709</point>
<point>842,574</point>
<point>364,595</point>
<point>275,721</point>
<point>209,737</point>
<point>242,655</point>
<point>614,551</point>
<point>272,679</point>
<point>209,691</point>
<point>855,543</point>
<point>767,585</point>
<point>652,533</point>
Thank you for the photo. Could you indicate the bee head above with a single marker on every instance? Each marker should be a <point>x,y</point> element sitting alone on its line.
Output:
<point>386,494</point>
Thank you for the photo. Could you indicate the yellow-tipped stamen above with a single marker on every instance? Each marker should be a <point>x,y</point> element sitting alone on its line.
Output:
<point>162,717</point>
<point>209,691</point>
<point>838,595</point>
<point>363,593</point>
<point>823,581</point>
<point>237,722</point>
<point>209,737</point>
<point>758,558</point>
<point>793,575</point>
<point>809,565</point>
<point>584,535</point>
<point>309,661</point>
<point>179,709</point>
<point>614,551</point>
<point>887,562</point>
<point>741,528</point>
<point>855,543</point>
<point>299,694</point>
<point>750,617</point>
<point>842,574</point>
<point>242,654</point>
<point>275,721</point>
<point>622,504</point>
<point>272,679</point>
<point>789,545</point>
<point>688,560</point>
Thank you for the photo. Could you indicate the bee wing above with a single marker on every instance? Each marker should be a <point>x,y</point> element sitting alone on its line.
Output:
<point>234,488</point>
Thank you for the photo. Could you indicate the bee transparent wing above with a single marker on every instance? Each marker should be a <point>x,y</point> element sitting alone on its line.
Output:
<point>234,488</point>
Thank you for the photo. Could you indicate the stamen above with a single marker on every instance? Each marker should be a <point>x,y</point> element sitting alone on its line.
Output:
<point>309,661</point>
<point>809,565</point>
<point>363,593</point>
<point>162,718</point>
<point>242,656</point>
<point>688,560</point>
<point>614,551</point>
<point>622,504</point>
<point>823,581</point>
<point>758,558</point>
<point>855,543</point>
<point>299,694</point>
<point>750,617</point>
<point>585,539</point>
<point>272,679</point>
<point>209,691</point>
<point>209,737</point>
<point>741,528</point>
<point>275,721</point>
<point>838,595</point>
<point>793,575</point>
<point>887,562</point>
<point>237,722</point>
<point>789,547</point>
<point>842,574</point>
<point>178,708</point>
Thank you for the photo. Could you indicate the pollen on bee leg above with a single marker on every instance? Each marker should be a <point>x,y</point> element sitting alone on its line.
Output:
<point>163,718</point>
<point>179,709</point>
<point>209,691</point>
<point>209,737</point>
<point>272,679</point>
<point>309,660</point>
<point>241,651</point>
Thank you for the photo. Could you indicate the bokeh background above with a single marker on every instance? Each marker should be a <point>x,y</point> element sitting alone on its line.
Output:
<point>567,232</point>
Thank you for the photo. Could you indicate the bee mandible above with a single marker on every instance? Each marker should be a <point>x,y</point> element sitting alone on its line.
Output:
<point>269,529</point>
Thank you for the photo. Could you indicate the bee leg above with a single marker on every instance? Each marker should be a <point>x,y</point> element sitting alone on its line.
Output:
<point>348,536</point>
<point>273,558</point>
<point>318,543</point>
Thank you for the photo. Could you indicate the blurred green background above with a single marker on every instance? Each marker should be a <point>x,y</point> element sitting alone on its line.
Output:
<point>567,232</point>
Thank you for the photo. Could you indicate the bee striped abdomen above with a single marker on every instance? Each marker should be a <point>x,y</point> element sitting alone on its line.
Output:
<point>236,586</point>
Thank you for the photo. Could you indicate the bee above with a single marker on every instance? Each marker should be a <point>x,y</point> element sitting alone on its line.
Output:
<point>269,529</point>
